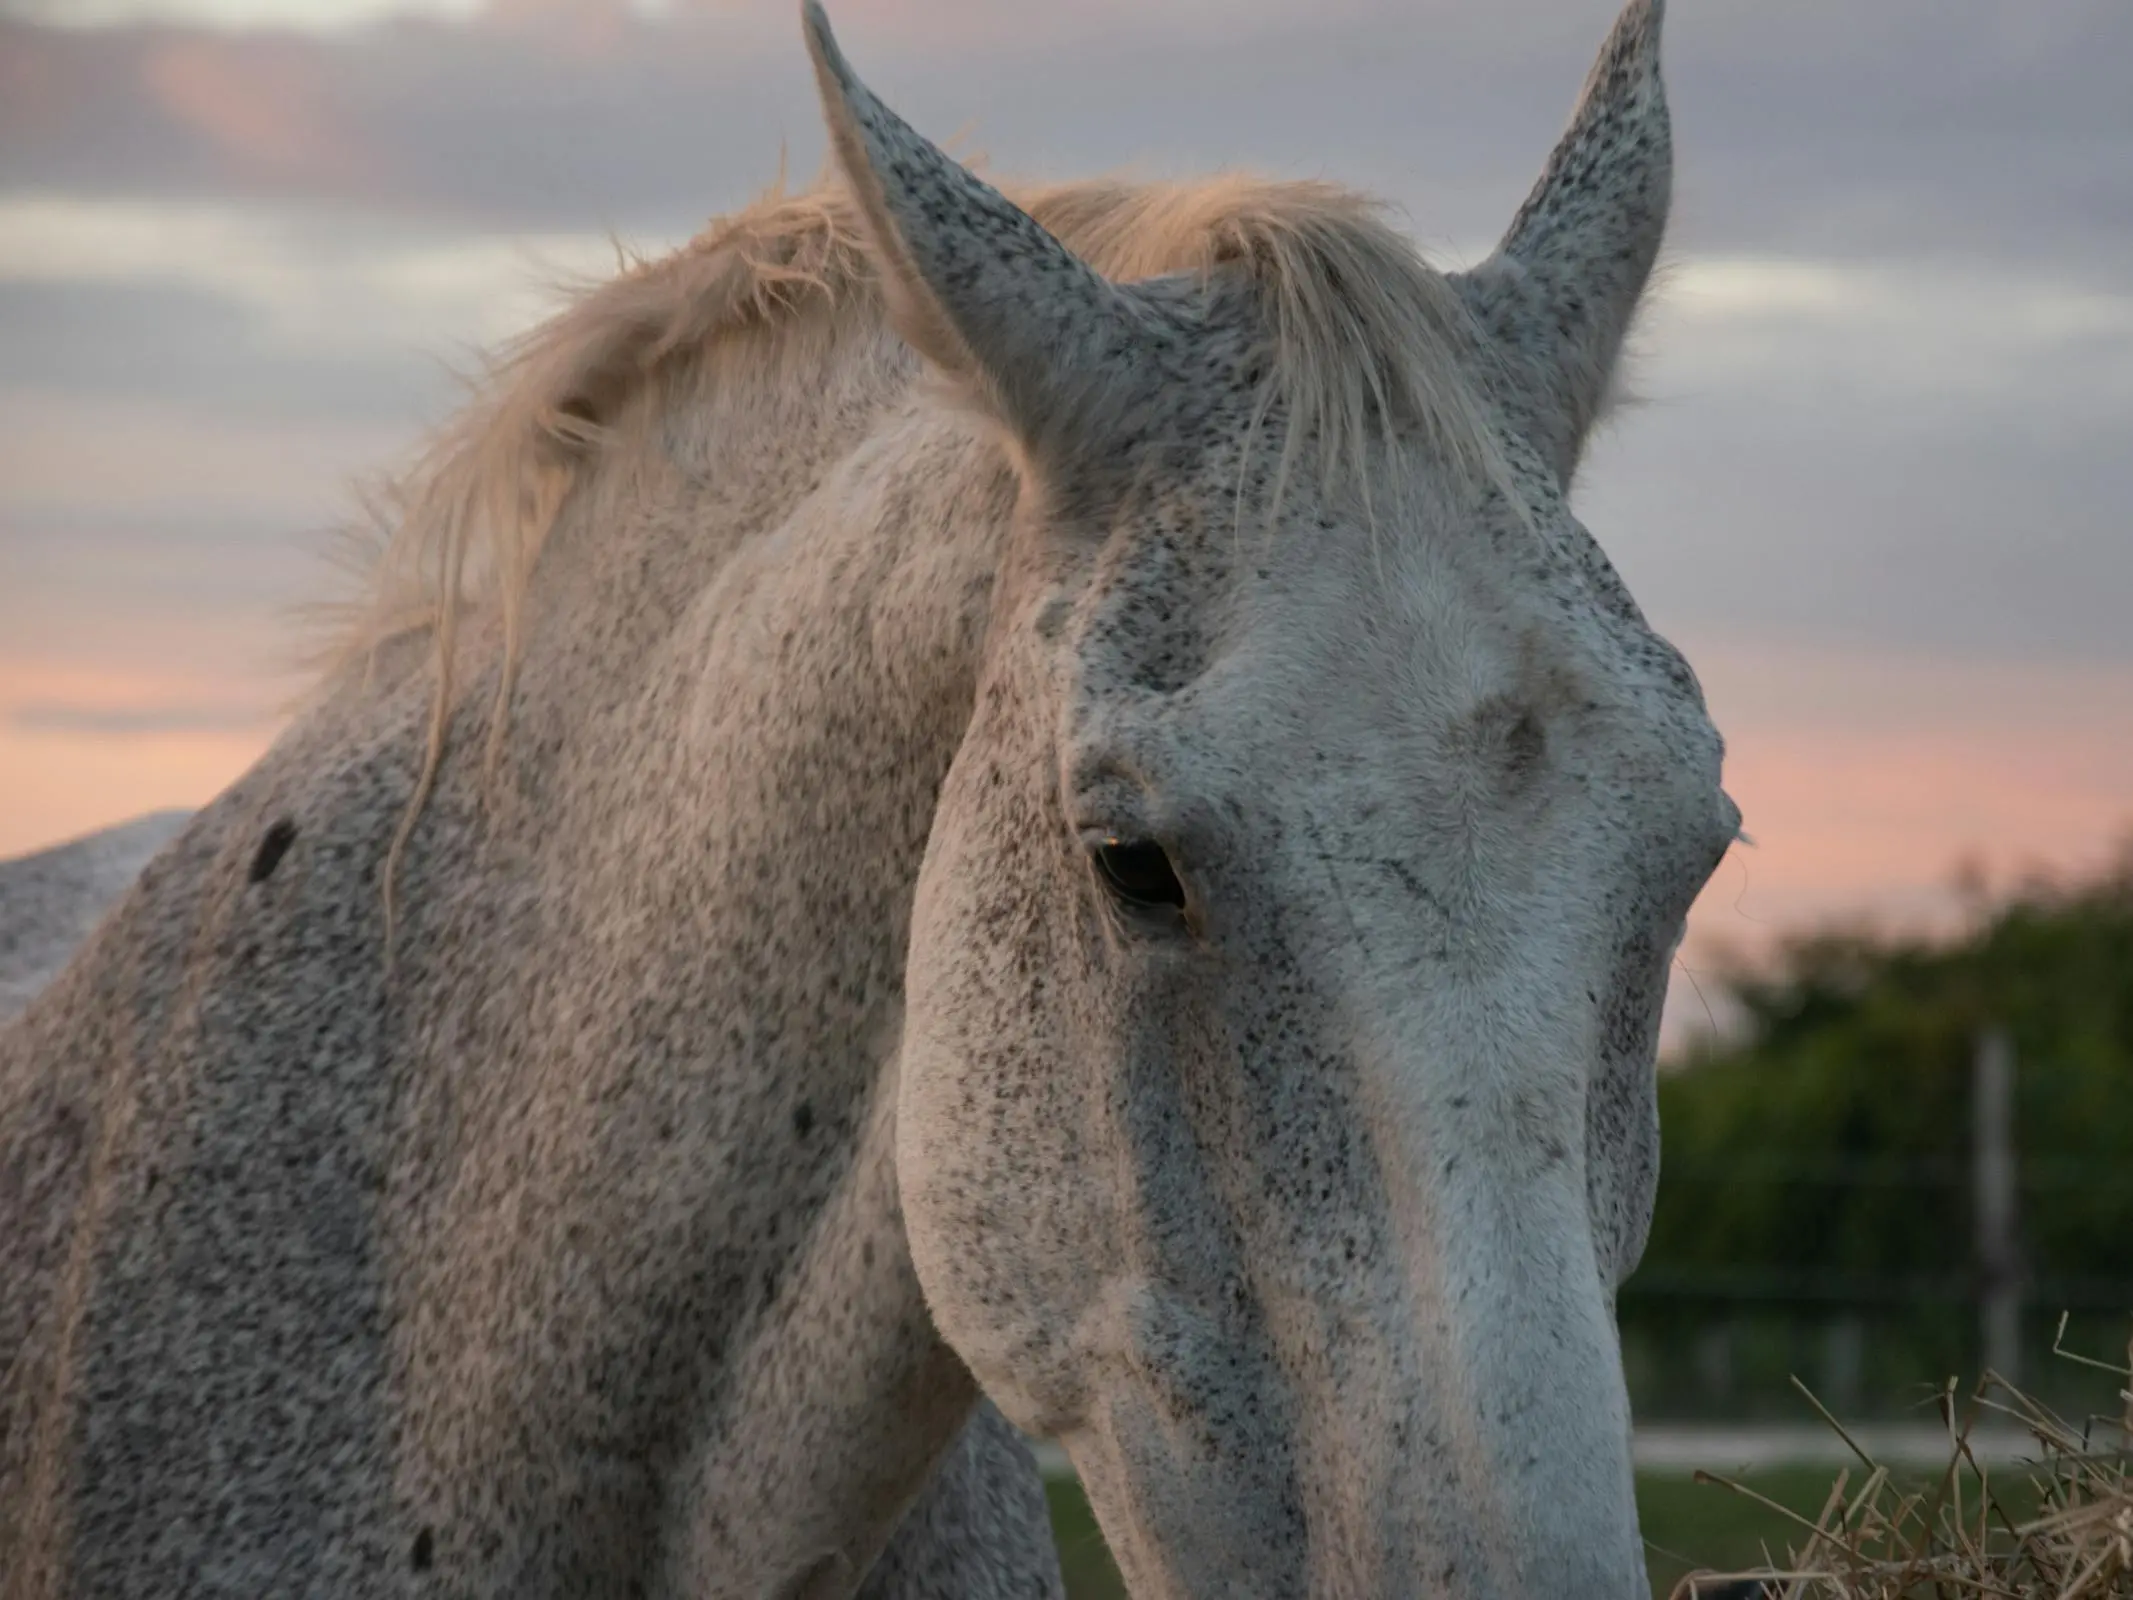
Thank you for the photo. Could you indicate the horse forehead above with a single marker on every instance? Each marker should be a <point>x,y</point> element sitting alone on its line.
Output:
<point>1240,603</point>
<point>1360,688</point>
<point>1196,606</point>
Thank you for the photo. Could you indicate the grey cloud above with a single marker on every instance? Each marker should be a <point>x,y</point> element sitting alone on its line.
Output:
<point>1992,523</point>
<point>216,569</point>
<point>1981,536</point>
<point>177,345</point>
<point>44,717</point>
<point>1910,125</point>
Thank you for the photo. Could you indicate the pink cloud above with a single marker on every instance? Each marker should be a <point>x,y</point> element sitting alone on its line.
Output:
<point>83,745</point>
<point>265,104</point>
<point>1868,781</point>
<point>60,785</point>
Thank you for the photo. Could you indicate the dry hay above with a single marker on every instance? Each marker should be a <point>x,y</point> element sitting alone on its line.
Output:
<point>1878,1539</point>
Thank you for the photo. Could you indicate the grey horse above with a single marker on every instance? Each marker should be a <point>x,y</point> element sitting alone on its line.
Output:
<point>938,802</point>
<point>980,1527</point>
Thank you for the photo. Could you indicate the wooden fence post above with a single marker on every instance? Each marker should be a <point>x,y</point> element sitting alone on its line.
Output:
<point>1999,1259</point>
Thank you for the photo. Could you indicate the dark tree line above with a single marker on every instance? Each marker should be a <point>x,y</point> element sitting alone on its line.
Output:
<point>1820,1158</point>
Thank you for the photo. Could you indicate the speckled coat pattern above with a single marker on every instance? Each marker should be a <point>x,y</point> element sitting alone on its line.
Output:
<point>763,1080</point>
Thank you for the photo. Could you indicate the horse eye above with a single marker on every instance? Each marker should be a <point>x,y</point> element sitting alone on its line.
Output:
<point>1139,874</point>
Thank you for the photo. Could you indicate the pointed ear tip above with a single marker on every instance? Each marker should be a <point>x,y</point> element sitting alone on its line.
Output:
<point>1653,23</point>
<point>821,41</point>
<point>1637,30</point>
<point>834,78</point>
<point>1634,45</point>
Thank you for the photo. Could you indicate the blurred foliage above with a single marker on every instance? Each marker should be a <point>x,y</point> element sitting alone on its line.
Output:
<point>1828,1145</point>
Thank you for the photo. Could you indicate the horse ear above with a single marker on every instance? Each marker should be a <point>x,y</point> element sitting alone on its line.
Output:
<point>973,282</point>
<point>1561,290</point>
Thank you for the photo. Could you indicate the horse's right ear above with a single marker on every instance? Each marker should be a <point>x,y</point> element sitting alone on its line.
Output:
<point>973,283</point>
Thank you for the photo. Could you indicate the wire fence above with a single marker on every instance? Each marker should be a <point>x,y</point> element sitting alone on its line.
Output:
<point>1876,1277</point>
<point>1710,1344</point>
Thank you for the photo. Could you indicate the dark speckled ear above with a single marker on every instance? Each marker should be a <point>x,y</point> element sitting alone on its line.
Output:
<point>1562,288</point>
<point>973,282</point>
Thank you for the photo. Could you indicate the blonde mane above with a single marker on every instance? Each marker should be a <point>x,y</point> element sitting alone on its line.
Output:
<point>1366,339</point>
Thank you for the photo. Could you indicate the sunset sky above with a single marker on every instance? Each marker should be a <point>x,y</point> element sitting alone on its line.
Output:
<point>1878,488</point>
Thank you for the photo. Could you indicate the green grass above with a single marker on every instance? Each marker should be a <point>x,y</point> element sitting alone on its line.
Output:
<point>1686,1525</point>
<point>1689,1524</point>
<point>1083,1557</point>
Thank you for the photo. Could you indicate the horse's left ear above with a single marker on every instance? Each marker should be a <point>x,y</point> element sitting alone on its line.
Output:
<point>973,282</point>
<point>1561,290</point>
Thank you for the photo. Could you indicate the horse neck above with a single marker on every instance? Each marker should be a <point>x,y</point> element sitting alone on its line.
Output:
<point>747,671</point>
